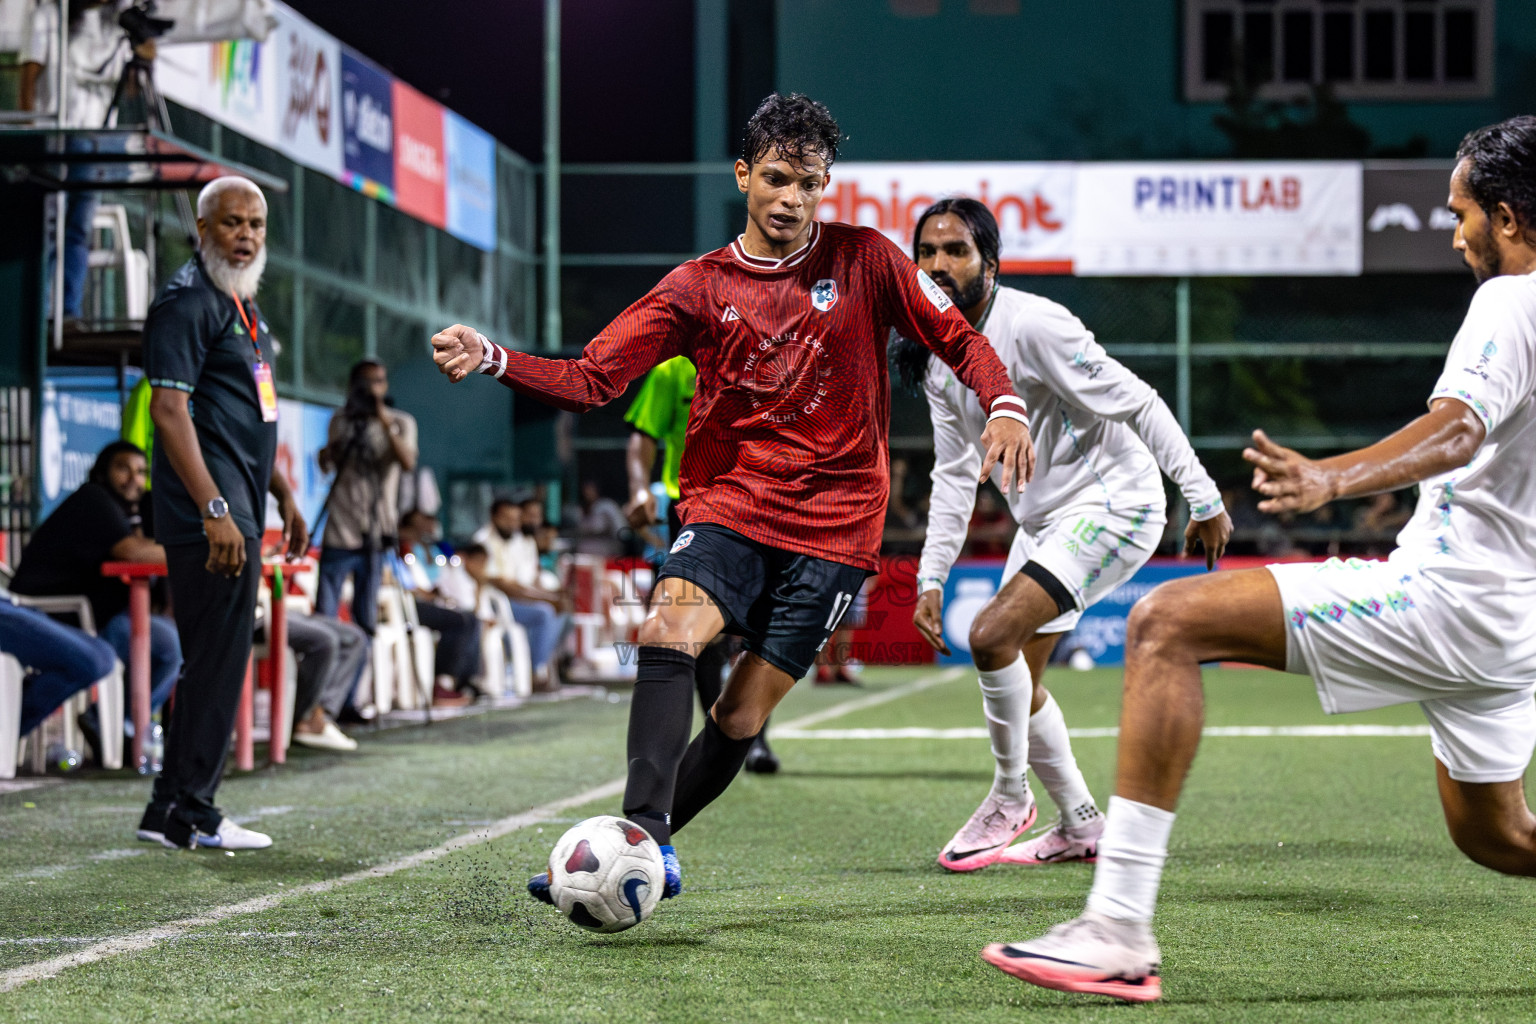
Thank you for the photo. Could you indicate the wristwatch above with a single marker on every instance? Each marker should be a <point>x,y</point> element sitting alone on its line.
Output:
<point>217,508</point>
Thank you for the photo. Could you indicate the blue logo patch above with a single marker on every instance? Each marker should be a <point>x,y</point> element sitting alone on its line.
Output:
<point>683,540</point>
<point>824,294</point>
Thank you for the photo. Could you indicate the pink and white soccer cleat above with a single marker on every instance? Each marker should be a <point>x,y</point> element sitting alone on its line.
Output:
<point>1058,846</point>
<point>997,822</point>
<point>1092,953</point>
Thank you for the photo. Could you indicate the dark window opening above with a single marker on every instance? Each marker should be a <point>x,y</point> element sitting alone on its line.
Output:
<point>1419,46</point>
<point>1338,46</point>
<point>1296,65</point>
<point>1380,46</point>
<point>1259,46</point>
<point>1216,30</point>
<point>1460,46</point>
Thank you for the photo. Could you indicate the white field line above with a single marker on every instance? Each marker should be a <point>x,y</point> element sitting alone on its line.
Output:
<point>133,942</point>
<point>976,733</point>
<point>860,703</point>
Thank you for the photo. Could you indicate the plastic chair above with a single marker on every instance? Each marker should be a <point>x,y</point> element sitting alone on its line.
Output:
<point>112,219</point>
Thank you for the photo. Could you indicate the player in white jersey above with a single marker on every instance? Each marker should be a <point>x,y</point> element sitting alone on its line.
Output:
<point>1092,516</point>
<point>1448,620</point>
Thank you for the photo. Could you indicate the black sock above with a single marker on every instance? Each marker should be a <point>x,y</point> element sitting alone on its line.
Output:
<point>659,720</point>
<point>708,672</point>
<point>713,760</point>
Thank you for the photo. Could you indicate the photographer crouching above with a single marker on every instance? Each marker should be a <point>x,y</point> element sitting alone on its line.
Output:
<point>368,445</point>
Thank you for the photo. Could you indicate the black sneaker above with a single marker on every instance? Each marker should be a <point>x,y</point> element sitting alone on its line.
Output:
<point>152,825</point>
<point>760,759</point>
<point>538,888</point>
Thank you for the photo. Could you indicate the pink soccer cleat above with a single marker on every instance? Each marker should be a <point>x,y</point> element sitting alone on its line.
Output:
<point>1092,953</point>
<point>997,822</point>
<point>1058,846</point>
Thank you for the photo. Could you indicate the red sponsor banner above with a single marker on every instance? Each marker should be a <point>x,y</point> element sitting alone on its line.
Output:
<point>1033,204</point>
<point>421,162</point>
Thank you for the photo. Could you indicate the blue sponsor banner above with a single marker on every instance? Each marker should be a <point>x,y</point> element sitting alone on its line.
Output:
<point>1101,630</point>
<point>471,182</point>
<point>368,127</point>
<point>82,413</point>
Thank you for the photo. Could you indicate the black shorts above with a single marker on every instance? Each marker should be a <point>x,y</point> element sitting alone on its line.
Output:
<point>783,604</point>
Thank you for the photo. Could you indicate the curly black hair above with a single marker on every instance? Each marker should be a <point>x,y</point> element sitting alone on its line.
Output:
<point>795,125</point>
<point>1501,166</point>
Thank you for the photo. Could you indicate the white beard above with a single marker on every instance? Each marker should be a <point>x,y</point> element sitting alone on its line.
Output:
<point>227,277</point>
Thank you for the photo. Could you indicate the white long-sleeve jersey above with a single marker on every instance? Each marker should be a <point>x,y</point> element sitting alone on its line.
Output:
<point>1100,432</point>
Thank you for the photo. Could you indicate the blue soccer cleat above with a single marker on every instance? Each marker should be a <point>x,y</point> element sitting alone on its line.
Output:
<point>538,888</point>
<point>674,869</point>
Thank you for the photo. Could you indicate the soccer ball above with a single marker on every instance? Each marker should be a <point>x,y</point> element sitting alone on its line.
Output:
<point>606,874</point>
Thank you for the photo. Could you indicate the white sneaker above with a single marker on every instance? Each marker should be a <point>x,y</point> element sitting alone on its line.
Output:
<point>981,841</point>
<point>1092,953</point>
<point>228,836</point>
<point>1058,846</point>
<point>329,738</point>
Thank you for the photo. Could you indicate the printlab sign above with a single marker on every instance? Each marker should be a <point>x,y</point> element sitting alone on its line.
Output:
<point>1241,218</point>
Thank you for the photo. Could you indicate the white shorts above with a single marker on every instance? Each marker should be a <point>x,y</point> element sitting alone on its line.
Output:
<point>1090,550</point>
<point>1372,634</point>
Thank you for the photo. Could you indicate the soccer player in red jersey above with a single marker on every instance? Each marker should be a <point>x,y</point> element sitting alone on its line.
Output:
<point>785,462</point>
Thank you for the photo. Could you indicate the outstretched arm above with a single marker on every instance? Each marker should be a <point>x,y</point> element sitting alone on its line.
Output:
<point>653,329</point>
<point>1444,439</point>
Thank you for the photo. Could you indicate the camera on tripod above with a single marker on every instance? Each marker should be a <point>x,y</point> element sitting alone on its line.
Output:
<point>141,24</point>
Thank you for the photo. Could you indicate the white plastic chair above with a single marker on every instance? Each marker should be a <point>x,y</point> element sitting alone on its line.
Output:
<point>10,715</point>
<point>112,218</point>
<point>505,636</point>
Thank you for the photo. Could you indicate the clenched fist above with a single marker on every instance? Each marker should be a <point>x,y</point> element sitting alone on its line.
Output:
<point>458,351</point>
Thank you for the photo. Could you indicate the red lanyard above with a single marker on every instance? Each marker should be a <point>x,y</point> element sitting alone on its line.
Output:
<point>250,326</point>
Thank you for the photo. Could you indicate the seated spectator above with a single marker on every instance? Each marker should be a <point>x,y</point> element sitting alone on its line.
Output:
<point>438,596</point>
<point>331,656</point>
<point>538,618</point>
<point>59,660</point>
<point>599,523</point>
<point>545,537</point>
<point>101,522</point>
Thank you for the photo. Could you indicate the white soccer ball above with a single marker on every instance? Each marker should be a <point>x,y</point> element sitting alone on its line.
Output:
<point>606,874</point>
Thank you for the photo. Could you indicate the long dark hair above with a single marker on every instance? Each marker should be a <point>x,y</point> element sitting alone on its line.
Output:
<point>978,220</point>
<point>1501,167</point>
<point>908,359</point>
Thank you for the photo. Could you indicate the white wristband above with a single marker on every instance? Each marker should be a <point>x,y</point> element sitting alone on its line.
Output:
<point>494,362</point>
<point>1008,414</point>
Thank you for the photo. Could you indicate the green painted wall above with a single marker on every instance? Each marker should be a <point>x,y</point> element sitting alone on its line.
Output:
<point>1082,80</point>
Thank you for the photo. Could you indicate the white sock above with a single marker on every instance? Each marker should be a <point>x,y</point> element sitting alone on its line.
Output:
<point>1050,755</point>
<point>1131,855</point>
<point>1005,697</point>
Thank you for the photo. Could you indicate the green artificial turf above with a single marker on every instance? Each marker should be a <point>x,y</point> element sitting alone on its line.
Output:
<point>1310,880</point>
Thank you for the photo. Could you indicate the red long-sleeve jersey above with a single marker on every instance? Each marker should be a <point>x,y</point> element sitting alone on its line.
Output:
<point>787,435</point>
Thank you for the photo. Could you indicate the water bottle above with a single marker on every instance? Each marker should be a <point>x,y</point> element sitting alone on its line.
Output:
<point>154,750</point>
<point>65,759</point>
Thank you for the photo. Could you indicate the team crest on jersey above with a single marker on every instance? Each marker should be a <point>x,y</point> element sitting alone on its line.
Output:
<point>824,294</point>
<point>934,292</point>
<point>729,315</point>
<point>683,540</point>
